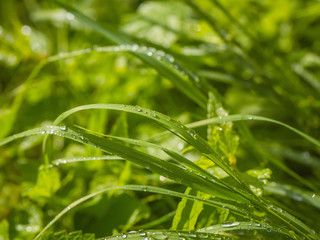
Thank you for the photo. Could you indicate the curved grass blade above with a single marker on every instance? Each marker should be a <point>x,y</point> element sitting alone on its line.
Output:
<point>156,222</point>
<point>200,144</point>
<point>170,235</point>
<point>182,131</point>
<point>170,171</point>
<point>142,188</point>
<point>244,117</point>
<point>295,193</point>
<point>186,87</point>
<point>247,226</point>
<point>174,155</point>
<point>157,165</point>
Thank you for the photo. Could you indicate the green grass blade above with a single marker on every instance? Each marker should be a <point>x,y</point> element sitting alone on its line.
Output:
<point>142,188</point>
<point>244,117</point>
<point>164,168</point>
<point>295,193</point>
<point>183,132</point>
<point>186,87</point>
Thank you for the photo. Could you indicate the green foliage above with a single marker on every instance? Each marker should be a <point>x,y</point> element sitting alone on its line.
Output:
<point>226,143</point>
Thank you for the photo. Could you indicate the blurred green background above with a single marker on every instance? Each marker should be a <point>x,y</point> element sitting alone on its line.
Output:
<point>258,57</point>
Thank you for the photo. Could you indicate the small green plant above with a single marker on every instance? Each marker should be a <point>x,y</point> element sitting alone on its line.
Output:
<point>217,158</point>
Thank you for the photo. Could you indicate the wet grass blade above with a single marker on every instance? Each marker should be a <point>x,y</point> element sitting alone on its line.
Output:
<point>244,117</point>
<point>168,170</point>
<point>182,131</point>
<point>294,193</point>
<point>157,165</point>
<point>186,87</point>
<point>142,188</point>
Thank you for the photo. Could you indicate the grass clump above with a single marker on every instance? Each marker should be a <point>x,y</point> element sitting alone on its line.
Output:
<point>160,120</point>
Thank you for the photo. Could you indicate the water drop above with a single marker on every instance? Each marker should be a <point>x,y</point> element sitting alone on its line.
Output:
<point>171,59</point>
<point>313,195</point>
<point>63,128</point>
<point>124,236</point>
<point>297,198</point>
<point>134,47</point>
<point>292,232</point>
<point>193,235</point>
<point>70,16</point>
<point>149,54</point>
<point>26,30</point>
<point>204,235</point>
<point>232,224</point>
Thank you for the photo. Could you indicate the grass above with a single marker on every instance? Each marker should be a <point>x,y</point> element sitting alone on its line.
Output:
<point>169,124</point>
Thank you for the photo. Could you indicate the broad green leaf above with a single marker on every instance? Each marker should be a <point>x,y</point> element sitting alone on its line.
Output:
<point>48,182</point>
<point>187,212</point>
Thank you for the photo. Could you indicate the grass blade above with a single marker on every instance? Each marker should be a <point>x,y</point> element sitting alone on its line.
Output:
<point>186,87</point>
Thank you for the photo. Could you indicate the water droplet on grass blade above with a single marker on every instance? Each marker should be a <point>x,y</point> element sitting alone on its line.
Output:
<point>70,16</point>
<point>231,224</point>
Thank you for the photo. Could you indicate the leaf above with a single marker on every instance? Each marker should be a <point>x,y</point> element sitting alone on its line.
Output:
<point>187,212</point>
<point>48,182</point>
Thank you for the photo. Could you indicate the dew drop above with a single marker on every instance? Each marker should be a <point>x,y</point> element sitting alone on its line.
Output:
<point>313,195</point>
<point>124,236</point>
<point>149,54</point>
<point>142,234</point>
<point>193,235</point>
<point>26,30</point>
<point>135,47</point>
<point>70,16</point>
<point>171,59</point>
<point>232,224</point>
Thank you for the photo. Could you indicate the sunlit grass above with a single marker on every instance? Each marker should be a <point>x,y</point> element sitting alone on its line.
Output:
<point>191,120</point>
